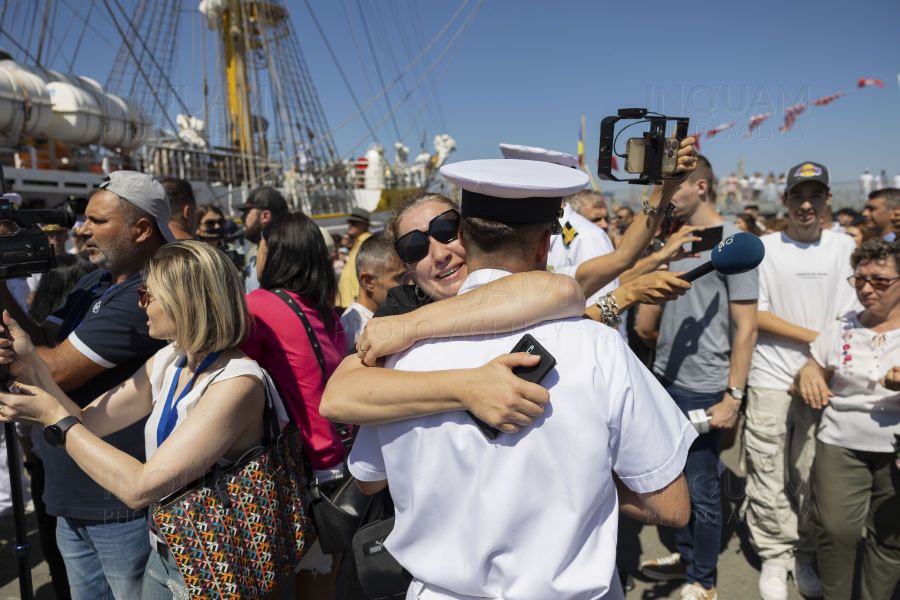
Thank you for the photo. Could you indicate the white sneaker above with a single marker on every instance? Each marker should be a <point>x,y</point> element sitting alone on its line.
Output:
<point>773,582</point>
<point>806,580</point>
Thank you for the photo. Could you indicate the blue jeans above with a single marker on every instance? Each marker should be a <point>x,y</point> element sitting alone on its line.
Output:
<point>699,542</point>
<point>163,580</point>
<point>104,560</point>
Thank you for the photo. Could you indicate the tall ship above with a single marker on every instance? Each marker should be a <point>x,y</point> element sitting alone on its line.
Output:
<point>258,121</point>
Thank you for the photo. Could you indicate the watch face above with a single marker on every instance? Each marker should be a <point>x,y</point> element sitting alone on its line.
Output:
<point>53,436</point>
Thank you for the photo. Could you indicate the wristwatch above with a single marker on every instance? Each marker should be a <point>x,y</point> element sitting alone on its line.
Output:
<point>55,435</point>
<point>736,393</point>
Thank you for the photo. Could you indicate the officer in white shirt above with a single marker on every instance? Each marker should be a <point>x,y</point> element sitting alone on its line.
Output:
<point>580,240</point>
<point>532,514</point>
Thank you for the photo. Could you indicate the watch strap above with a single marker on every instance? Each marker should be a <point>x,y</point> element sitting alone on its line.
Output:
<point>732,391</point>
<point>64,425</point>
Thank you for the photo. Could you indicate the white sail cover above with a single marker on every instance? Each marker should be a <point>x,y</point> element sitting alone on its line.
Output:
<point>213,11</point>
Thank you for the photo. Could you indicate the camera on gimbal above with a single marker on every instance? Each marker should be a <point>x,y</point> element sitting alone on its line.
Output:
<point>653,156</point>
<point>28,250</point>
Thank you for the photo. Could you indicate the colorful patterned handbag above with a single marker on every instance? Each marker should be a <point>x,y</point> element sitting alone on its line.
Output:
<point>236,533</point>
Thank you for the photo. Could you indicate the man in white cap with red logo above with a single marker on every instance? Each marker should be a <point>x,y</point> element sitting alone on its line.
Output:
<point>528,515</point>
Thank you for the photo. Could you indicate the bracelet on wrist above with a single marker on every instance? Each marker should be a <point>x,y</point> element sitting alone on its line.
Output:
<point>609,310</point>
<point>649,209</point>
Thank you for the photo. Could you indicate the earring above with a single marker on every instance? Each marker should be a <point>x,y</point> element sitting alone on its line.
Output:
<point>420,295</point>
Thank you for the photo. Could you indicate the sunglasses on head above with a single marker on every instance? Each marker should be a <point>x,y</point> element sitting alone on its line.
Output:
<point>144,296</point>
<point>413,246</point>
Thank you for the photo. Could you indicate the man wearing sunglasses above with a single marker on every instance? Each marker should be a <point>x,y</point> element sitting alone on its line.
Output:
<point>802,288</point>
<point>531,514</point>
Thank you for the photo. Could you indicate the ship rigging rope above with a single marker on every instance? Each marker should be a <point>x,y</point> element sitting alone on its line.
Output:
<point>100,34</point>
<point>418,83</point>
<point>417,21</point>
<point>338,65</point>
<point>387,99</point>
<point>152,59</point>
<point>348,15</point>
<point>438,82</point>
<point>400,76</point>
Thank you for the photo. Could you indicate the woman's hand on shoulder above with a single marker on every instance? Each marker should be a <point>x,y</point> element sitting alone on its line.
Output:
<point>384,336</point>
<point>501,399</point>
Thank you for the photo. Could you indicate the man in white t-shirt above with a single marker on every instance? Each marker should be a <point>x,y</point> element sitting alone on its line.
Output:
<point>757,184</point>
<point>379,270</point>
<point>866,181</point>
<point>802,288</point>
<point>529,515</point>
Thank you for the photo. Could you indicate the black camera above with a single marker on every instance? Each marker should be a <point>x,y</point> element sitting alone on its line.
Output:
<point>653,156</point>
<point>28,250</point>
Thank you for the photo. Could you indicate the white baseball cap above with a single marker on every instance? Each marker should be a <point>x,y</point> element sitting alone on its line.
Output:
<point>144,192</point>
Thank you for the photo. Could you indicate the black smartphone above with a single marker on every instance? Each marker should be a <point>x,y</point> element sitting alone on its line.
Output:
<point>534,374</point>
<point>709,239</point>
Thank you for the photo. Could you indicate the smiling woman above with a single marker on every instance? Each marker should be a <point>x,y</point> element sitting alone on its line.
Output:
<point>194,296</point>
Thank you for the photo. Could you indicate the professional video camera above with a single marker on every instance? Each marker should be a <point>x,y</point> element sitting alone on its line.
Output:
<point>28,250</point>
<point>653,156</point>
<point>22,253</point>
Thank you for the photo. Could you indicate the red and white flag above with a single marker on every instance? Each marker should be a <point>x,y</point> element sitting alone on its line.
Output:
<point>828,99</point>
<point>712,133</point>
<point>864,82</point>
<point>790,116</point>
<point>756,121</point>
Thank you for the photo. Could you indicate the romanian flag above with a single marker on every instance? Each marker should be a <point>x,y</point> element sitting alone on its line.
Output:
<point>581,147</point>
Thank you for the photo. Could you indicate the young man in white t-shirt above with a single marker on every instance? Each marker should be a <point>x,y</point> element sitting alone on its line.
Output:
<point>802,288</point>
<point>379,270</point>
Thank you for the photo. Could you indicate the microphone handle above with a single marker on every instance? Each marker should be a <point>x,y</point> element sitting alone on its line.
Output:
<point>704,269</point>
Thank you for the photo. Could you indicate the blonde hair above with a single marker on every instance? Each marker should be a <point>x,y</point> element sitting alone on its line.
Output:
<point>202,293</point>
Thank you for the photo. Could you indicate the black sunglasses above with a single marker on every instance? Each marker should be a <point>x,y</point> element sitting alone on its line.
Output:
<point>413,246</point>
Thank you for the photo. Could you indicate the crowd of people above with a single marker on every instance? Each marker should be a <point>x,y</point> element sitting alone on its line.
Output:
<point>154,350</point>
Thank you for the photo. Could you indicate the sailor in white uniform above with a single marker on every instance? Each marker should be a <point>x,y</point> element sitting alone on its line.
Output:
<point>532,515</point>
<point>580,240</point>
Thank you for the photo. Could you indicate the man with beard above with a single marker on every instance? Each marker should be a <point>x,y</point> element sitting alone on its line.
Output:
<point>263,205</point>
<point>802,288</point>
<point>92,343</point>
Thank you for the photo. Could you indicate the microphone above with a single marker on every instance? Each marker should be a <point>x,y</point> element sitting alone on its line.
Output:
<point>735,254</point>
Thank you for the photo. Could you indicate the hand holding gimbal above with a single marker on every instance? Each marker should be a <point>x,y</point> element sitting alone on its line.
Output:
<point>654,156</point>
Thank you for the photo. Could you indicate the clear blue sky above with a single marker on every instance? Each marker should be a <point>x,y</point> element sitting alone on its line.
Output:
<point>528,69</point>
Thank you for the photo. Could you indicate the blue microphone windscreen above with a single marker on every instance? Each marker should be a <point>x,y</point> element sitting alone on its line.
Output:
<point>738,253</point>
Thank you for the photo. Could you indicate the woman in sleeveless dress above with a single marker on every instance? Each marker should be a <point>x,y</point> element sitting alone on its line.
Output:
<point>202,397</point>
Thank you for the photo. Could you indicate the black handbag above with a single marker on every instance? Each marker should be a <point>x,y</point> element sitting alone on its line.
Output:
<point>338,514</point>
<point>380,575</point>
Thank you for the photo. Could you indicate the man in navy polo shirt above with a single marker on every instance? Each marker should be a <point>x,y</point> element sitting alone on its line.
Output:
<point>95,341</point>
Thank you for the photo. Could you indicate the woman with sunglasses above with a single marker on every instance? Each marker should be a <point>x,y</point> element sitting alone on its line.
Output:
<point>202,397</point>
<point>211,224</point>
<point>426,230</point>
<point>856,481</point>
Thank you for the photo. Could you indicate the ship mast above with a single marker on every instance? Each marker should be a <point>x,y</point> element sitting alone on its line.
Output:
<point>233,28</point>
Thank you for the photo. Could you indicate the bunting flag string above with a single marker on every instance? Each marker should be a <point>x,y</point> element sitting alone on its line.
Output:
<point>790,115</point>
<point>828,99</point>
<point>756,121</point>
<point>712,133</point>
<point>864,82</point>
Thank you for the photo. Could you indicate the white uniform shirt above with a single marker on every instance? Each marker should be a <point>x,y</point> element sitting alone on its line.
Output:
<point>897,181</point>
<point>586,241</point>
<point>803,284</point>
<point>532,515</point>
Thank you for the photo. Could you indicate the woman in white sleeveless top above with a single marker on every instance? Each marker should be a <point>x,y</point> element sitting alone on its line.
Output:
<point>204,398</point>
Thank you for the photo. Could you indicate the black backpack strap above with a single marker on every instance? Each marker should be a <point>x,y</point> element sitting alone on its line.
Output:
<point>344,433</point>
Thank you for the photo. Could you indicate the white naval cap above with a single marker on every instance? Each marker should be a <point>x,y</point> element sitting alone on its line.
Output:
<point>513,191</point>
<point>532,153</point>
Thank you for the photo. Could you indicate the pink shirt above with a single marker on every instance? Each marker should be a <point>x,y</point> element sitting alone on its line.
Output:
<point>280,345</point>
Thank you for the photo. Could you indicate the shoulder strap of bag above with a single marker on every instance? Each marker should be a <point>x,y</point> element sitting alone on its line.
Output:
<point>344,432</point>
<point>286,298</point>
